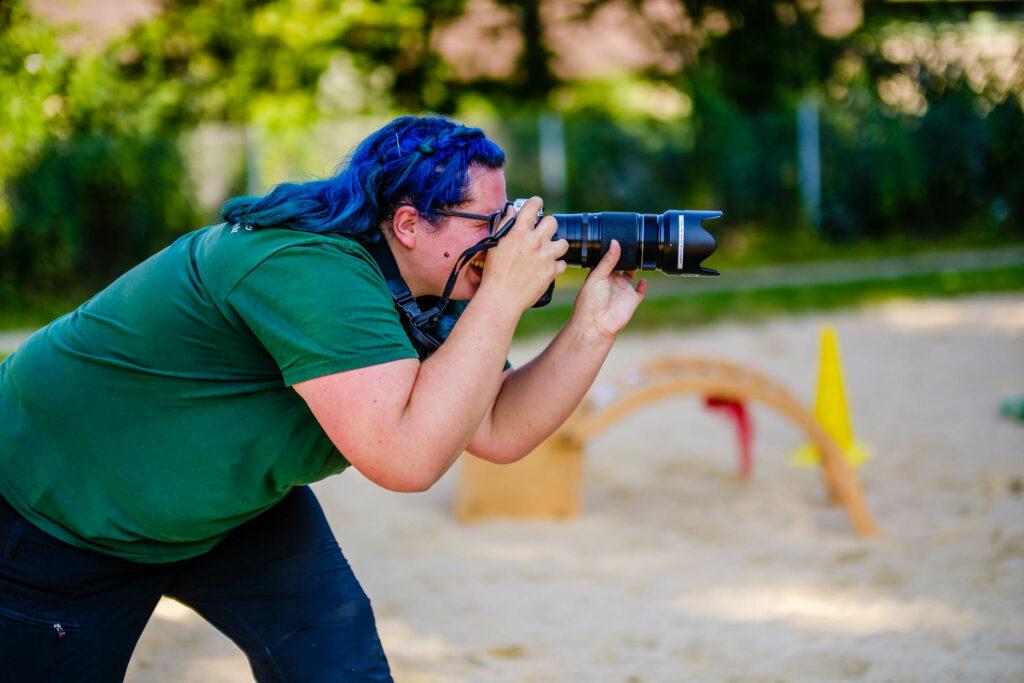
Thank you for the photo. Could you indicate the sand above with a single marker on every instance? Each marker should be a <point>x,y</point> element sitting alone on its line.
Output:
<point>679,571</point>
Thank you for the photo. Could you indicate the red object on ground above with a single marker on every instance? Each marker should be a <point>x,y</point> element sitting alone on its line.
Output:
<point>737,412</point>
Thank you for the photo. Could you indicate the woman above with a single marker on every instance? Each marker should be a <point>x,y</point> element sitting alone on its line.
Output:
<point>158,439</point>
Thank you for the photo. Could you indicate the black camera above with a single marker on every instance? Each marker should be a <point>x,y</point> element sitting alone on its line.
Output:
<point>674,242</point>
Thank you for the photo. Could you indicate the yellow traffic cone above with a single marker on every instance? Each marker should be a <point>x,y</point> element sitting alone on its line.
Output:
<point>830,408</point>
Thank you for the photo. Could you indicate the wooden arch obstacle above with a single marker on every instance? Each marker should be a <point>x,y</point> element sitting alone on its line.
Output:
<point>548,482</point>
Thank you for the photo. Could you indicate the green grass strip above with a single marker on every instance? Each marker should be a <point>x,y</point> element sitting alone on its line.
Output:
<point>693,309</point>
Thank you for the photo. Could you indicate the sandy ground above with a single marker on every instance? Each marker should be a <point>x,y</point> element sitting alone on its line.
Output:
<point>678,571</point>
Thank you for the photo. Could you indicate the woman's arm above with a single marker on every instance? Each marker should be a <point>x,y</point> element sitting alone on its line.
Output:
<point>403,423</point>
<point>536,399</point>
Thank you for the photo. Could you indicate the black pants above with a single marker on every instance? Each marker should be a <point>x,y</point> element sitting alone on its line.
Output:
<point>278,586</point>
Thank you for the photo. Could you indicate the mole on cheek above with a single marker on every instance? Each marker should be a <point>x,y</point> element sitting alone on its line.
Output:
<point>447,255</point>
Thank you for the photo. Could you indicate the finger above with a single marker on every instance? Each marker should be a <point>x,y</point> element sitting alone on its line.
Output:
<point>641,288</point>
<point>547,227</point>
<point>607,263</point>
<point>530,210</point>
<point>560,247</point>
<point>510,221</point>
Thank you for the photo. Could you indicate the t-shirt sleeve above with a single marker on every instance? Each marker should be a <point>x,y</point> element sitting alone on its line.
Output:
<point>320,309</point>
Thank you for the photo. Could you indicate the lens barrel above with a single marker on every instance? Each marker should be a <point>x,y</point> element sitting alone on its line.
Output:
<point>674,242</point>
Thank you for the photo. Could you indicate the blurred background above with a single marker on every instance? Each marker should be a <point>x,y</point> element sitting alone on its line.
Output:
<point>879,140</point>
<point>859,149</point>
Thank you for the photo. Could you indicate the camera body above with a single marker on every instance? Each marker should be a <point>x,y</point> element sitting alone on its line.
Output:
<point>674,242</point>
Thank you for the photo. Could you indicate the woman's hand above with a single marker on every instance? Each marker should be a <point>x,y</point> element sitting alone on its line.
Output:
<point>608,299</point>
<point>525,261</point>
<point>536,398</point>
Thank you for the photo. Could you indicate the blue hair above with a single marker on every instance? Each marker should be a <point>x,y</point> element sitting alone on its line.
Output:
<point>422,161</point>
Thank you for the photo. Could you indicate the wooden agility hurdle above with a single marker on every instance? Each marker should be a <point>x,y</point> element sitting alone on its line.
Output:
<point>548,483</point>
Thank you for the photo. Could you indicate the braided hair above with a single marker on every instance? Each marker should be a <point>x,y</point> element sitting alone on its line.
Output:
<point>422,161</point>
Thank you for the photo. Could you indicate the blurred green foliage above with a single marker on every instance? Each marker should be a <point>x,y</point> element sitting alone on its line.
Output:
<point>120,200</point>
<point>92,175</point>
<point>951,176</point>
<point>951,171</point>
<point>913,144</point>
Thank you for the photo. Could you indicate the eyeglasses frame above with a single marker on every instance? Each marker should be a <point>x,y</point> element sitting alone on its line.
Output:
<point>491,218</point>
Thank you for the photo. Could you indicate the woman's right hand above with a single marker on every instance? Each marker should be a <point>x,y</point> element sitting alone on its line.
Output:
<point>525,261</point>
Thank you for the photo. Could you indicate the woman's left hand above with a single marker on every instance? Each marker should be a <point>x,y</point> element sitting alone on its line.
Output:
<point>607,299</point>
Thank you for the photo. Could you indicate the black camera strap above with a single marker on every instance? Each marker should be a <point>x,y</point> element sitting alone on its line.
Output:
<point>405,302</point>
<point>416,321</point>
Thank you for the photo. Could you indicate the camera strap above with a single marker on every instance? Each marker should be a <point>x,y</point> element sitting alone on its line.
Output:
<point>405,302</point>
<point>417,322</point>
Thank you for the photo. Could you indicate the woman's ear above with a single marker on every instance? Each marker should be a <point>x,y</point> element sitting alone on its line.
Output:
<point>405,225</point>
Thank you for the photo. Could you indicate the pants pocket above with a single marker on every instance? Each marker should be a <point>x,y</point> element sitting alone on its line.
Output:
<point>60,628</point>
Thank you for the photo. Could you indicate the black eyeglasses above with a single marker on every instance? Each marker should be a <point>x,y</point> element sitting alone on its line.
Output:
<point>492,219</point>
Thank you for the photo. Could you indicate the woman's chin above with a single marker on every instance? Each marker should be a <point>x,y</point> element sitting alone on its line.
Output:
<point>469,283</point>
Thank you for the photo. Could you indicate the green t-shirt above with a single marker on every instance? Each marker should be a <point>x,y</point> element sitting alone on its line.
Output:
<point>159,415</point>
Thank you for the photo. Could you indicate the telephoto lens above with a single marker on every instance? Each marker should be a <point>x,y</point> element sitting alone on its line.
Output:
<point>674,242</point>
